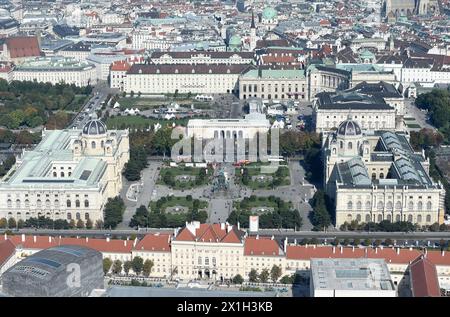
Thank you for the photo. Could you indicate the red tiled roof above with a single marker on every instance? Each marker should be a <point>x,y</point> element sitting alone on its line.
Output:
<point>261,246</point>
<point>120,66</point>
<point>154,242</point>
<point>23,46</point>
<point>7,249</point>
<point>424,279</point>
<point>211,233</point>
<point>278,59</point>
<point>185,235</point>
<point>404,256</point>
<point>101,245</point>
<point>45,242</point>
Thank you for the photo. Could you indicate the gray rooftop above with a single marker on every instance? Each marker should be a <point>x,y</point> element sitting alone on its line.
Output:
<point>351,274</point>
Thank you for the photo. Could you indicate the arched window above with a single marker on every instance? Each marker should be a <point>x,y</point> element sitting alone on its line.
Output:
<point>368,205</point>
<point>428,218</point>
<point>86,216</point>
<point>350,145</point>
<point>341,145</point>
<point>358,217</point>
<point>56,203</point>
<point>419,205</point>
<point>380,205</point>
<point>368,218</point>
<point>62,174</point>
<point>410,205</point>
<point>349,205</point>
<point>429,205</point>
<point>359,205</point>
<point>47,203</point>
<point>78,216</point>
<point>18,203</point>
<point>349,217</point>
<point>388,218</point>
<point>55,174</point>
<point>77,203</point>
<point>380,218</point>
<point>102,144</point>
<point>27,203</point>
<point>389,205</point>
<point>9,203</point>
<point>397,218</point>
<point>69,216</point>
<point>86,203</point>
<point>39,203</point>
<point>410,218</point>
<point>93,145</point>
<point>419,218</point>
<point>69,203</point>
<point>381,175</point>
<point>398,205</point>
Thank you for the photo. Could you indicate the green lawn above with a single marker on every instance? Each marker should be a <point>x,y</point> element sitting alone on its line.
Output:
<point>168,177</point>
<point>146,103</point>
<point>280,177</point>
<point>172,201</point>
<point>139,122</point>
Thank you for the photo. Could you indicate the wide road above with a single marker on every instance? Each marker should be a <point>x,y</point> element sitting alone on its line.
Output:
<point>278,234</point>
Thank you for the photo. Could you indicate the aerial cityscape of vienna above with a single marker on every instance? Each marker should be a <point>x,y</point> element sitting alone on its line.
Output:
<point>264,151</point>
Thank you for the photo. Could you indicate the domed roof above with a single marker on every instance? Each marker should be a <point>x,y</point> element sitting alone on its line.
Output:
<point>367,54</point>
<point>94,127</point>
<point>349,128</point>
<point>269,13</point>
<point>235,40</point>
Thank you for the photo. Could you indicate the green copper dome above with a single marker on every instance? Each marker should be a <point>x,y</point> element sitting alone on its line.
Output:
<point>269,13</point>
<point>235,40</point>
<point>366,54</point>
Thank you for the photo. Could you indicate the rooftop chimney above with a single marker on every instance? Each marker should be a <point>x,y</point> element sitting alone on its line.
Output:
<point>107,239</point>
<point>353,249</point>
<point>272,237</point>
<point>49,239</point>
<point>87,239</point>
<point>6,236</point>
<point>124,243</point>
<point>257,236</point>
<point>222,226</point>
<point>443,253</point>
<point>376,250</point>
<point>23,237</point>
<point>34,239</point>
<point>334,250</point>
<point>285,244</point>
<point>342,249</point>
<point>398,250</point>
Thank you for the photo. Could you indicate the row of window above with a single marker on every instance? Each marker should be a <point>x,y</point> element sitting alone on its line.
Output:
<point>49,215</point>
<point>389,205</point>
<point>56,203</point>
<point>380,218</point>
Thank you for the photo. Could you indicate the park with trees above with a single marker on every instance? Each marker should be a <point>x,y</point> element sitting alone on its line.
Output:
<point>273,212</point>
